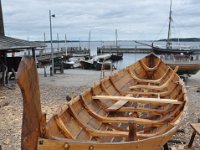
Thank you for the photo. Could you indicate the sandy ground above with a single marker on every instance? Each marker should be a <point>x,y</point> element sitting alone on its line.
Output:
<point>53,94</point>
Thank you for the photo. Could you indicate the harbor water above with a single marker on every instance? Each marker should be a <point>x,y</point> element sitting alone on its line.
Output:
<point>128,58</point>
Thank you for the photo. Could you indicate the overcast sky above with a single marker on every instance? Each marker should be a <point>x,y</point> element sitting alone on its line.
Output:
<point>134,19</point>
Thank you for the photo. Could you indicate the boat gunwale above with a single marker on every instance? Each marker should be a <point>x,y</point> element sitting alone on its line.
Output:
<point>77,98</point>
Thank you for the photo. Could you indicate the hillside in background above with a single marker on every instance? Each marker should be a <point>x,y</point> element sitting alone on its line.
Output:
<point>182,39</point>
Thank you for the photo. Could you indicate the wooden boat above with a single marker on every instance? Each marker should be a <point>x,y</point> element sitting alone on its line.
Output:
<point>103,65</point>
<point>161,50</point>
<point>137,108</point>
<point>116,56</point>
<point>68,64</point>
<point>95,62</point>
<point>170,48</point>
<point>188,64</point>
<point>86,64</point>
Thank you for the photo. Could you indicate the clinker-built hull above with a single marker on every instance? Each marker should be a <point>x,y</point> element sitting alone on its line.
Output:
<point>138,107</point>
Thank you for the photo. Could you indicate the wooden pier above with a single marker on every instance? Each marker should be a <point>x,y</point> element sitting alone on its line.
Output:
<point>76,50</point>
<point>45,58</point>
<point>101,50</point>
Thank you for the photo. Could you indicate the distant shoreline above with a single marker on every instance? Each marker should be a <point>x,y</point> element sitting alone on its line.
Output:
<point>182,39</point>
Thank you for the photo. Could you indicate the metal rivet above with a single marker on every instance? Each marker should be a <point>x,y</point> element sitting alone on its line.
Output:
<point>41,142</point>
<point>66,146</point>
<point>91,147</point>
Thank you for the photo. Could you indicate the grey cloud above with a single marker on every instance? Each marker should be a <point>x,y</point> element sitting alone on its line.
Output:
<point>134,19</point>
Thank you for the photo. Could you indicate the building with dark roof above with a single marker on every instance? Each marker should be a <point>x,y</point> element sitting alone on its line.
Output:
<point>12,45</point>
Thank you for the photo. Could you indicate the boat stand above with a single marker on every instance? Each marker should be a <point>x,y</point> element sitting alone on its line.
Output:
<point>196,130</point>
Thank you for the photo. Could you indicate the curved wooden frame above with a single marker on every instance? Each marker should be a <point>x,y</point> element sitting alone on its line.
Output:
<point>126,118</point>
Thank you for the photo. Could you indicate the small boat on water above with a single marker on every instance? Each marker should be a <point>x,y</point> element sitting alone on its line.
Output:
<point>68,64</point>
<point>103,65</point>
<point>87,64</point>
<point>162,50</point>
<point>116,56</point>
<point>138,107</point>
<point>95,62</point>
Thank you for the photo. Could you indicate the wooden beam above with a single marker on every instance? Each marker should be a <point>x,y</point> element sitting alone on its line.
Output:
<point>94,132</point>
<point>141,100</point>
<point>62,128</point>
<point>164,85</point>
<point>117,89</point>
<point>157,81</point>
<point>132,131</point>
<point>139,109</point>
<point>117,105</point>
<point>120,119</point>
<point>148,68</point>
<point>104,88</point>
<point>28,81</point>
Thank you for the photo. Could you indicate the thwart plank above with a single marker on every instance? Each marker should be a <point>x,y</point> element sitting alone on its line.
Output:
<point>141,100</point>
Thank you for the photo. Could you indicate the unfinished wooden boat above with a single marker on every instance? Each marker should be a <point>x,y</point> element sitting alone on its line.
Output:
<point>137,108</point>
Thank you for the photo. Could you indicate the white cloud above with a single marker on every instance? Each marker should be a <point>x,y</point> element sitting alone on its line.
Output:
<point>134,19</point>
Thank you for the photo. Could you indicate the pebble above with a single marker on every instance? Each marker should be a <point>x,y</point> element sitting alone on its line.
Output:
<point>53,97</point>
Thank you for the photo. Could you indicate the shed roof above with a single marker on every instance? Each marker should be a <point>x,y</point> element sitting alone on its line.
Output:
<point>14,44</point>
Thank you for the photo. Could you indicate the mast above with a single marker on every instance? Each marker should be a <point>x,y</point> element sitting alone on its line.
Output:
<point>58,41</point>
<point>66,44</point>
<point>89,39</point>
<point>116,38</point>
<point>169,44</point>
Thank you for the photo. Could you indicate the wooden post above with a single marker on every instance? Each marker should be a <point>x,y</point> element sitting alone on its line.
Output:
<point>193,136</point>
<point>33,53</point>
<point>132,131</point>
<point>1,22</point>
<point>27,79</point>
<point>192,139</point>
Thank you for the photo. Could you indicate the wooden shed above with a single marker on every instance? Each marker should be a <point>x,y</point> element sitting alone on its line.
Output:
<point>8,46</point>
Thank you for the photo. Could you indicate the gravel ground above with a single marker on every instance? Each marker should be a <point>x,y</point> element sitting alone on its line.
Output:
<point>53,94</point>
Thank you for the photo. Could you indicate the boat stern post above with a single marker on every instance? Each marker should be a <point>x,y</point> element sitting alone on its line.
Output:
<point>33,122</point>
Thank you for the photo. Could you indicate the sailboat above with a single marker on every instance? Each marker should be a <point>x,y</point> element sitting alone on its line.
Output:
<point>169,49</point>
<point>116,56</point>
<point>184,57</point>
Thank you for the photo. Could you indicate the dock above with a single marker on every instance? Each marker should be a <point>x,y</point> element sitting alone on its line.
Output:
<point>101,50</point>
<point>45,58</point>
<point>76,51</point>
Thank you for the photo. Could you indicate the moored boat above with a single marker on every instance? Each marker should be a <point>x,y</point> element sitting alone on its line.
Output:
<point>116,56</point>
<point>98,65</point>
<point>95,62</point>
<point>138,107</point>
<point>86,64</point>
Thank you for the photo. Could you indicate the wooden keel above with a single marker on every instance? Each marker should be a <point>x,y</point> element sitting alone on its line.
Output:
<point>27,79</point>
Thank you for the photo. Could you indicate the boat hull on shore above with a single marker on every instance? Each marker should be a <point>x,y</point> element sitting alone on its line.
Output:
<point>188,64</point>
<point>138,107</point>
<point>185,68</point>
